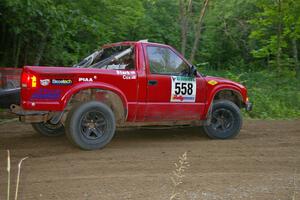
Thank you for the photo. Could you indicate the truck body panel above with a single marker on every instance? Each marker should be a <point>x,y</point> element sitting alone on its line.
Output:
<point>146,96</point>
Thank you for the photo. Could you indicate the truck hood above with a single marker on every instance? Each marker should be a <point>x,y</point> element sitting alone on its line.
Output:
<point>215,84</point>
<point>214,80</point>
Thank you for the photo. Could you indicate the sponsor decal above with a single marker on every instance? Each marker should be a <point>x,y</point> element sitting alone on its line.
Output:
<point>183,89</point>
<point>61,82</point>
<point>127,75</point>
<point>182,98</point>
<point>44,82</point>
<point>85,79</point>
<point>178,97</point>
<point>49,94</point>
<point>212,82</point>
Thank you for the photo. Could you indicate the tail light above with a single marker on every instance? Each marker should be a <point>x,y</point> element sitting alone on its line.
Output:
<point>28,80</point>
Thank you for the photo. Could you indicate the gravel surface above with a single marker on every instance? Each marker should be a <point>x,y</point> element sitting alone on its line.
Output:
<point>263,162</point>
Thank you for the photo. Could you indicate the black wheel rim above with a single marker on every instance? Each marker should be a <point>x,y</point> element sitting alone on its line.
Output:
<point>93,125</point>
<point>222,120</point>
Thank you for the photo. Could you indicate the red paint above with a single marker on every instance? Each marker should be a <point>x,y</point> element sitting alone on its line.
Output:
<point>143,102</point>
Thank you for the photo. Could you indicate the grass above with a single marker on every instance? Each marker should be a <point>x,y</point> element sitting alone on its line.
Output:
<point>9,176</point>
<point>178,175</point>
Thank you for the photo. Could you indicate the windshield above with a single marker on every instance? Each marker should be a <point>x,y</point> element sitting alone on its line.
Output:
<point>118,57</point>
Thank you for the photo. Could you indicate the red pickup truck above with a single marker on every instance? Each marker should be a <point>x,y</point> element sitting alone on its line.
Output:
<point>128,84</point>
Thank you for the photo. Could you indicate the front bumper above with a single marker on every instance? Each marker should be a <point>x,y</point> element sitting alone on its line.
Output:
<point>248,106</point>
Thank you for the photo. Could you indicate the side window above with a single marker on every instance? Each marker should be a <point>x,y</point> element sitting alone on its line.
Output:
<point>163,60</point>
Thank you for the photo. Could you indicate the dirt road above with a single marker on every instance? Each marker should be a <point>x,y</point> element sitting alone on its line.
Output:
<point>263,162</point>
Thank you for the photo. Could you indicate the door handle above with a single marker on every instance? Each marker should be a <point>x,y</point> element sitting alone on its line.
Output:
<point>152,82</point>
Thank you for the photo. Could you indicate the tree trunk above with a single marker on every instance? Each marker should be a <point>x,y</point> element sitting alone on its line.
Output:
<point>279,30</point>
<point>184,16</point>
<point>40,52</point>
<point>182,22</point>
<point>25,54</point>
<point>41,48</point>
<point>198,30</point>
<point>18,49</point>
<point>2,42</point>
<point>3,34</point>
<point>295,52</point>
<point>14,47</point>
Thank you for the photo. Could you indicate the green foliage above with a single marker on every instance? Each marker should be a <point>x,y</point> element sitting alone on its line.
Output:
<point>273,27</point>
<point>225,38</point>
<point>159,23</point>
<point>275,96</point>
<point>62,32</point>
<point>240,39</point>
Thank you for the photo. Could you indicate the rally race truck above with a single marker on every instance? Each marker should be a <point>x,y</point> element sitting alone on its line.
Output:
<point>128,84</point>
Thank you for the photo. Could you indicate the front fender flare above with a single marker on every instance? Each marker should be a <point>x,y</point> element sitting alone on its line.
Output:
<point>212,93</point>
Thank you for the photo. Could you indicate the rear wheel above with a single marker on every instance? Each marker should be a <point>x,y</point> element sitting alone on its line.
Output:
<point>226,121</point>
<point>48,129</point>
<point>90,125</point>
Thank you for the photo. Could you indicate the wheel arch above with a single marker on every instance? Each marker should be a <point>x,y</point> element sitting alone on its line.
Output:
<point>109,95</point>
<point>228,93</point>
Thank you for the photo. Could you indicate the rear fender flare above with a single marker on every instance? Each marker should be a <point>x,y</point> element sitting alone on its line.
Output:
<point>103,86</point>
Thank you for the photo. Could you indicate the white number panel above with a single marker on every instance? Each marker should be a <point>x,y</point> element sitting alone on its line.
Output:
<point>183,89</point>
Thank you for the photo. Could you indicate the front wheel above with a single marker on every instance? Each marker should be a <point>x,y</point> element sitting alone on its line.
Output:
<point>226,121</point>
<point>90,125</point>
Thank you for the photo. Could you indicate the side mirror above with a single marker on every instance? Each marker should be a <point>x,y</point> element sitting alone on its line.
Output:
<point>193,70</point>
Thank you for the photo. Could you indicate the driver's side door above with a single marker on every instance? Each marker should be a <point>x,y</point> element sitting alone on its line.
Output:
<point>172,94</point>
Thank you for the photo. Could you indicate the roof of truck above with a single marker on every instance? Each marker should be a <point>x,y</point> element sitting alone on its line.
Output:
<point>128,43</point>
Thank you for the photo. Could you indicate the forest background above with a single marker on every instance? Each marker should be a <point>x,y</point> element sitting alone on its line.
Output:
<point>254,42</point>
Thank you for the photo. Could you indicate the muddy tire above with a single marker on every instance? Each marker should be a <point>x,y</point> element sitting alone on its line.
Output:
<point>226,120</point>
<point>48,129</point>
<point>90,125</point>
